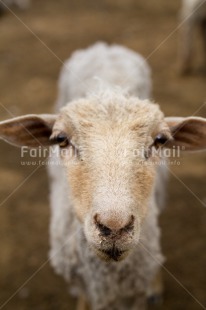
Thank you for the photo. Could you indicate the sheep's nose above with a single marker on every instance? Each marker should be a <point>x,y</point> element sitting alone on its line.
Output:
<point>113,226</point>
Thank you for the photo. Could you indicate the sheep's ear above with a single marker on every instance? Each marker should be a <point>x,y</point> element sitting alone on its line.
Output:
<point>188,133</point>
<point>29,130</point>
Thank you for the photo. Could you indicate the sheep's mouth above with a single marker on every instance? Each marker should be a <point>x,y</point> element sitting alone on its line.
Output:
<point>112,254</point>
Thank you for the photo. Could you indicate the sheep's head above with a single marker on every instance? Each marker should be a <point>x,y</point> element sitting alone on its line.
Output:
<point>110,175</point>
<point>106,148</point>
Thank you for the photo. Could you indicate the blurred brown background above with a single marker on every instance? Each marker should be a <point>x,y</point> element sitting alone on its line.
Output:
<point>29,70</point>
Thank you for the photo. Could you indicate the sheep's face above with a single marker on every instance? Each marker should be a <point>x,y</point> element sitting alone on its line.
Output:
<point>110,169</point>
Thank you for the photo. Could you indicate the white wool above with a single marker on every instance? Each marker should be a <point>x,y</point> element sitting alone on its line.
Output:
<point>101,67</point>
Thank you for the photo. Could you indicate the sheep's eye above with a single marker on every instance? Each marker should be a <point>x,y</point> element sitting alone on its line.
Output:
<point>62,140</point>
<point>160,139</point>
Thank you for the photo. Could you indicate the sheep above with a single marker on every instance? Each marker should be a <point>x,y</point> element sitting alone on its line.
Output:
<point>107,138</point>
<point>192,14</point>
<point>21,4</point>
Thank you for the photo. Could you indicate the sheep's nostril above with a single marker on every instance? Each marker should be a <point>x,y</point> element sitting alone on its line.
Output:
<point>104,230</point>
<point>130,226</point>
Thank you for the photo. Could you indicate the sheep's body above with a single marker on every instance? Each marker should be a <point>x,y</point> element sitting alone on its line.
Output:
<point>193,12</point>
<point>106,285</point>
<point>114,66</point>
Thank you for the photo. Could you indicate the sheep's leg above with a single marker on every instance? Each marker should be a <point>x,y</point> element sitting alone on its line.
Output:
<point>82,304</point>
<point>155,292</point>
<point>186,46</point>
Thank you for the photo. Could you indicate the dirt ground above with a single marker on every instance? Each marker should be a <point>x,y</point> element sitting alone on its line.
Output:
<point>33,45</point>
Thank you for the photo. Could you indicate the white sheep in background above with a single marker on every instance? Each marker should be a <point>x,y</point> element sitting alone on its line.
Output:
<point>193,14</point>
<point>21,4</point>
<point>105,238</point>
